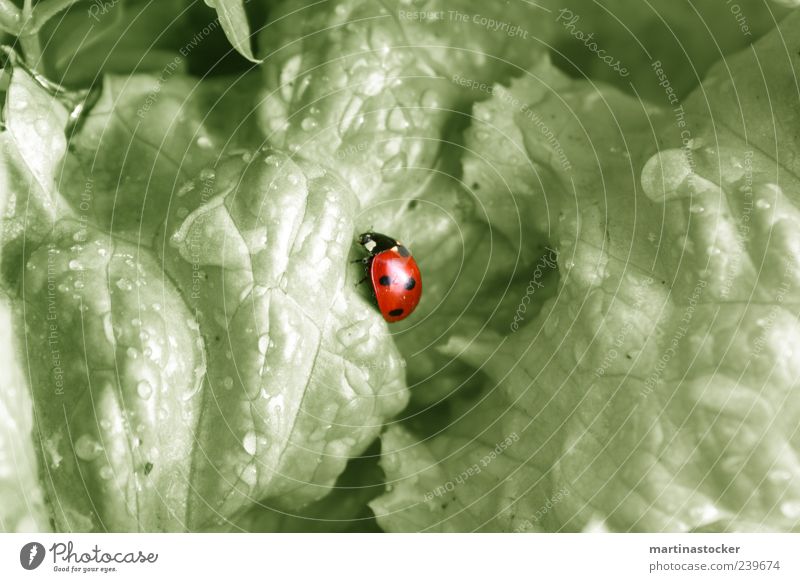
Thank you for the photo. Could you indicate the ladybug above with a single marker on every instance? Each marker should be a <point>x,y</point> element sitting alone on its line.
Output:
<point>394,274</point>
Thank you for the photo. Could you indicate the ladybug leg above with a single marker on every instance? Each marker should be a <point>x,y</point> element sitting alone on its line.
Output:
<point>364,278</point>
<point>363,261</point>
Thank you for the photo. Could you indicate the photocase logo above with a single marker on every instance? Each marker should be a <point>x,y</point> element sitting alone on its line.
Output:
<point>31,555</point>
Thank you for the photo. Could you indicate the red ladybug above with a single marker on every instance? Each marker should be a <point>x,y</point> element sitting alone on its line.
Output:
<point>394,274</point>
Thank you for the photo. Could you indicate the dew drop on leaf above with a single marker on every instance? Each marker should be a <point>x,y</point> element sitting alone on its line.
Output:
<point>87,448</point>
<point>249,475</point>
<point>397,120</point>
<point>108,328</point>
<point>263,344</point>
<point>791,509</point>
<point>144,389</point>
<point>249,443</point>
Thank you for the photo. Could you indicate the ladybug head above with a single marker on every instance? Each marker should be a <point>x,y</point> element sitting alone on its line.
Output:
<point>374,242</point>
<point>367,240</point>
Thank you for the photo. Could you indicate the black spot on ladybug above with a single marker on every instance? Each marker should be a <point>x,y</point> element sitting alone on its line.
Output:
<point>396,312</point>
<point>385,280</point>
<point>403,251</point>
<point>411,283</point>
<point>147,468</point>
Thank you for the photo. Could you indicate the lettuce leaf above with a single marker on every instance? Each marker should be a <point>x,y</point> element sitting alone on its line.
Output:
<point>302,373</point>
<point>169,126</point>
<point>23,508</point>
<point>684,38</point>
<point>377,111</point>
<point>116,384</point>
<point>654,392</point>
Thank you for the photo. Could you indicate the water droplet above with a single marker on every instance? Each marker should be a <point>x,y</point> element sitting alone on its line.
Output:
<point>144,389</point>
<point>87,448</point>
<point>204,142</point>
<point>132,353</point>
<point>207,174</point>
<point>102,251</point>
<point>779,476</point>
<point>397,120</point>
<point>249,443</point>
<point>105,424</point>
<point>75,265</point>
<point>705,513</point>
<point>481,136</point>
<point>263,343</point>
<point>353,334</point>
<point>185,189</point>
<point>247,157</point>
<point>696,143</point>
<point>163,413</point>
<point>373,84</point>
<point>156,307</point>
<point>394,165</point>
<point>108,328</point>
<point>228,383</point>
<point>429,99</point>
<point>696,209</point>
<point>249,475</point>
<point>763,204</point>
<point>484,114</point>
<point>791,509</point>
<point>182,212</point>
<point>664,174</point>
<point>349,114</point>
<point>42,127</point>
<point>106,473</point>
<point>79,284</point>
<point>308,124</point>
<point>124,284</point>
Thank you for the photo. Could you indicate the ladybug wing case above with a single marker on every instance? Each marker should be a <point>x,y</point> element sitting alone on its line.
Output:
<point>397,283</point>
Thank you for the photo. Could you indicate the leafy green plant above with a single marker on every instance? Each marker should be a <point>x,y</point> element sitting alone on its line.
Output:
<point>607,329</point>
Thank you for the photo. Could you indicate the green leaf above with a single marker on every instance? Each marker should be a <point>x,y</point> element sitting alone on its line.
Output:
<point>23,507</point>
<point>45,10</point>
<point>344,509</point>
<point>31,152</point>
<point>302,373</point>
<point>368,89</point>
<point>145,138</point>
<point>234,22</point>
<point>123,37</point>
<point>653,393</point>
<point>116,365</point>
<point>684,38</point>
